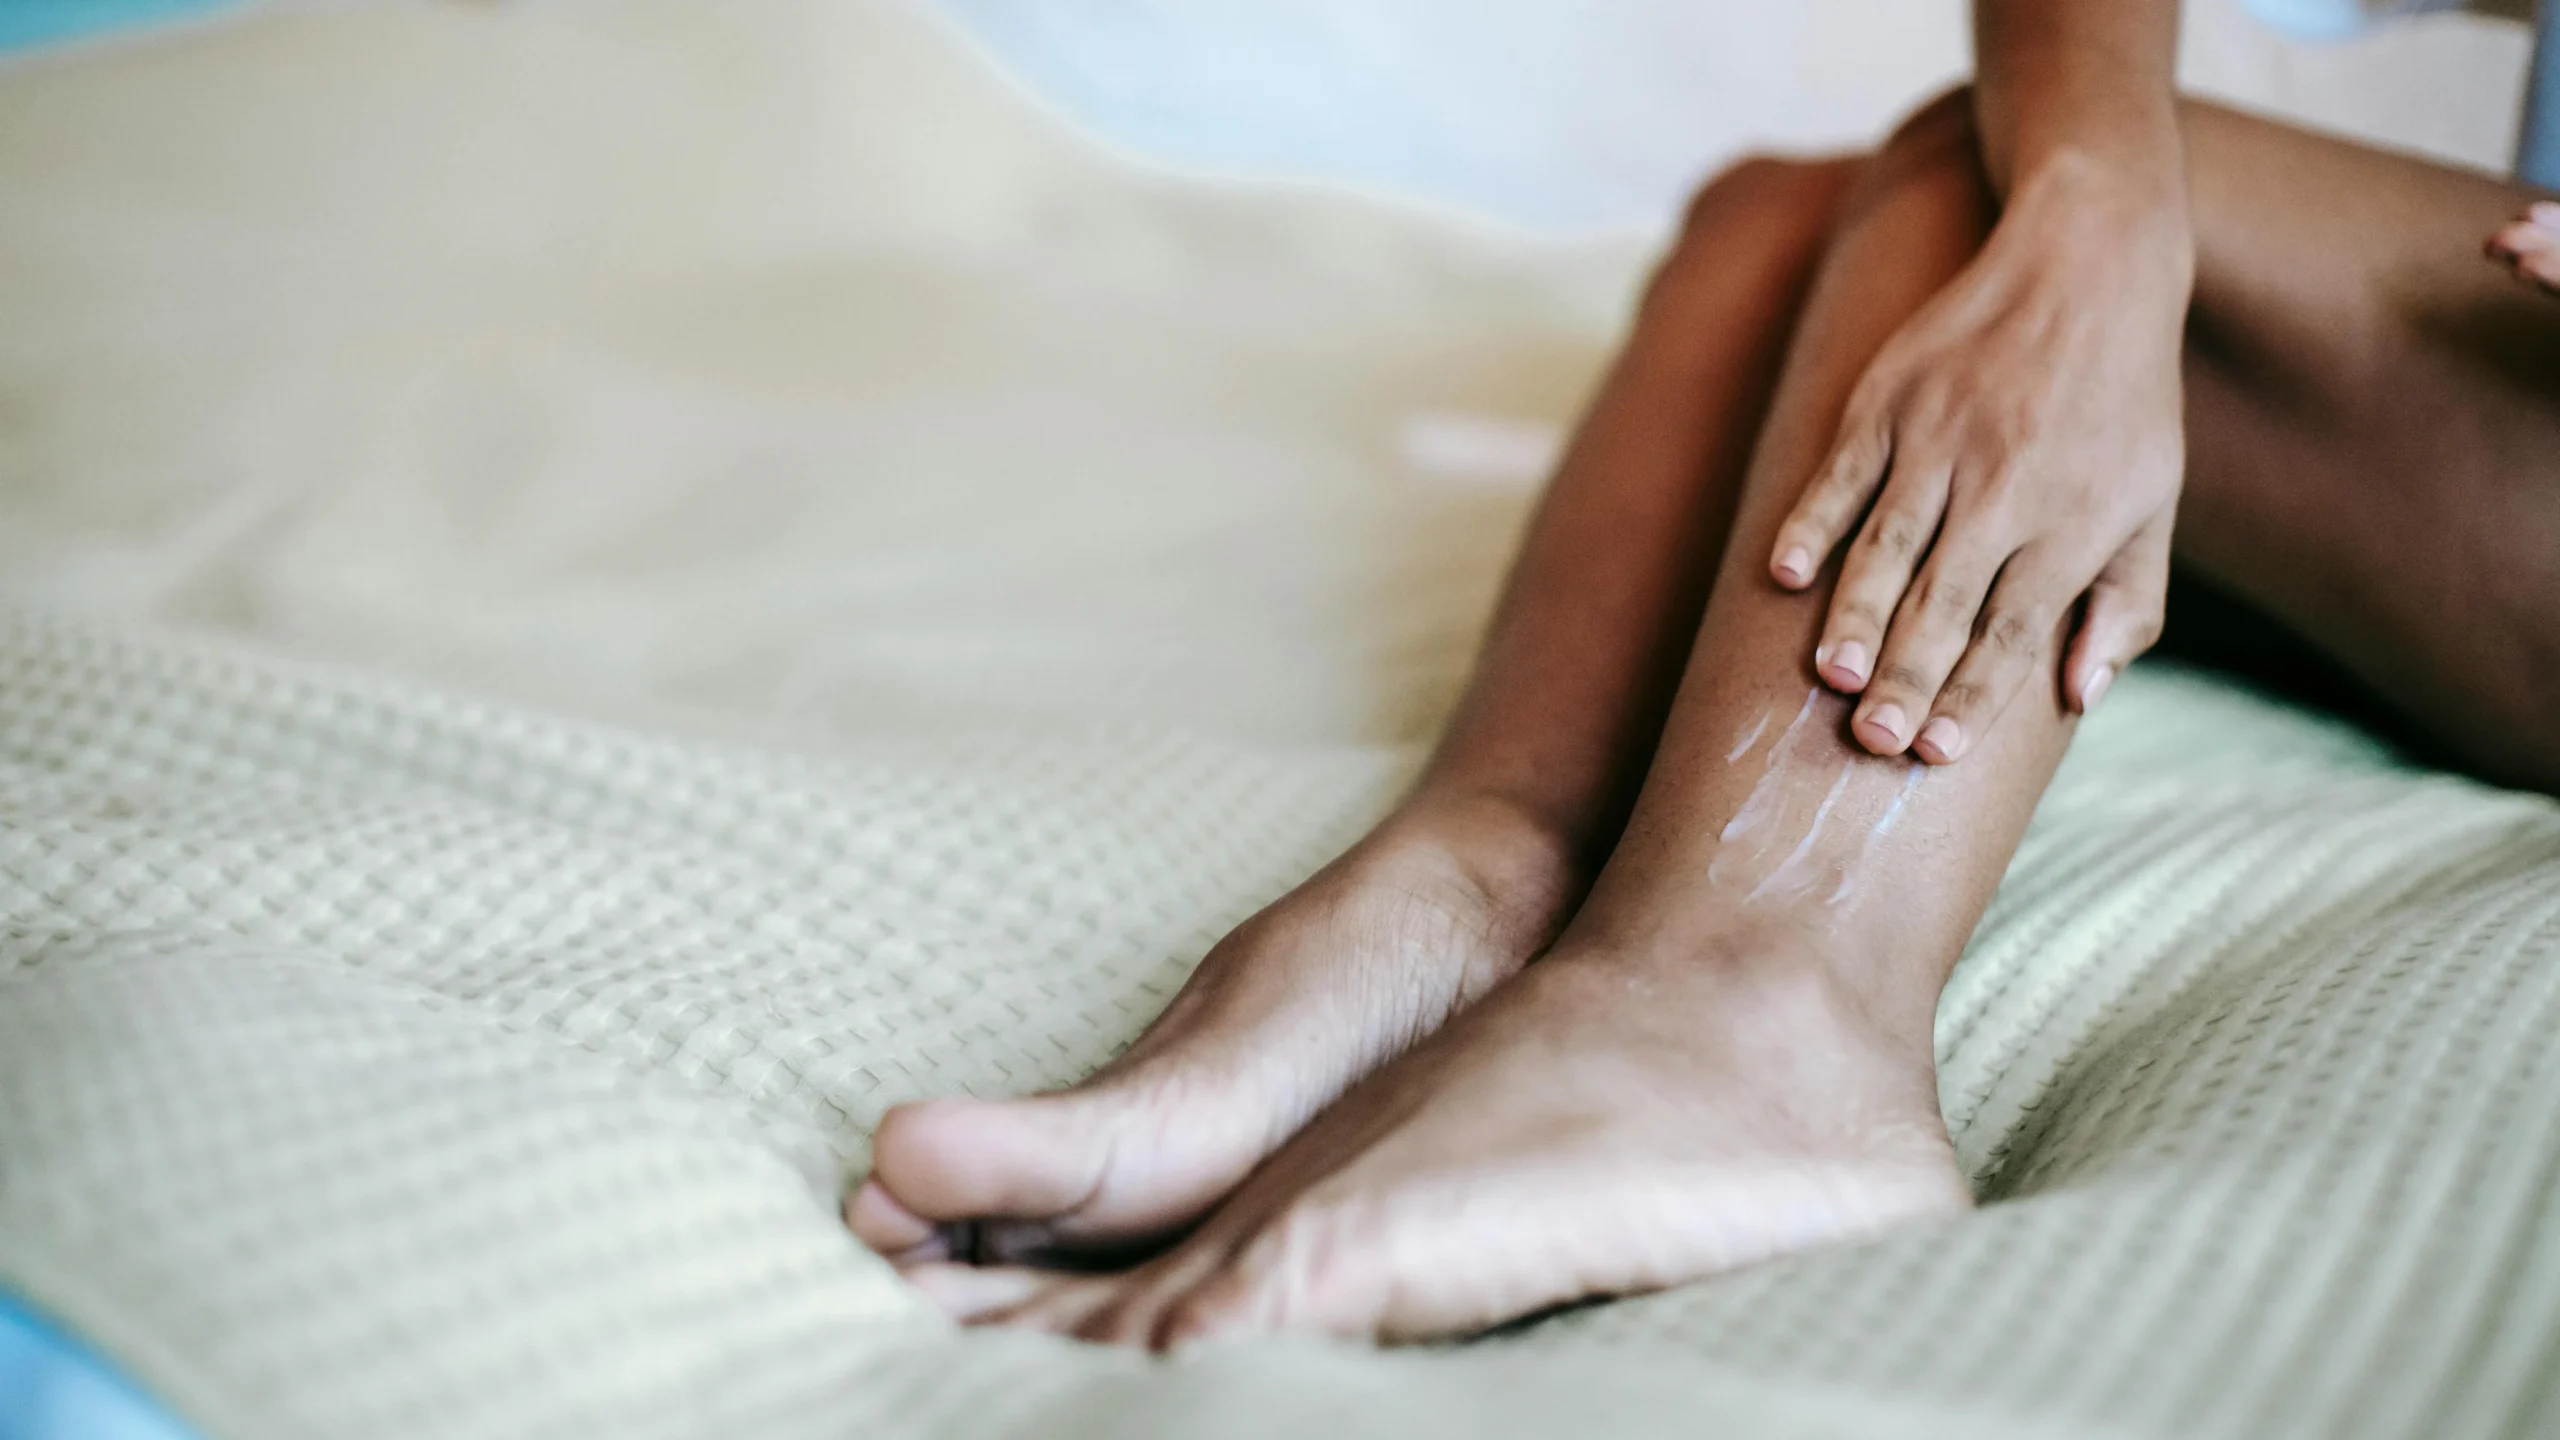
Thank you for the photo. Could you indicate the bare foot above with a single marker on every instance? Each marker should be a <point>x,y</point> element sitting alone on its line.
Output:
<point>1605,1123</point>
<point>1345,972</point>
<point>2530,246</point>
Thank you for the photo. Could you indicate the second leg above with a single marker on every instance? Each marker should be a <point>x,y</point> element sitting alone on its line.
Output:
<point>1727,1054</point>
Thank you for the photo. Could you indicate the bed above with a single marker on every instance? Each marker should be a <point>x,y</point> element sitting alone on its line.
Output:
<point>581,618</point>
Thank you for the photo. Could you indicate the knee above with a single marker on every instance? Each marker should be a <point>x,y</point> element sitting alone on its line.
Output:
<point>1757,187</point>
<point>1939,132</point>
<point>1760,201</point>
<point>1934,156</point>
<point>1941,129</point>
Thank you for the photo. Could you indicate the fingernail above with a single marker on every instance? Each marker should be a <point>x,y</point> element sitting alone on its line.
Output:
<point>1941,738</point>
<point>1851,660</point>
<point>2096,689</point>
<point>1887,718</point>
<point>1796,566</point>
<point>2545,213</point>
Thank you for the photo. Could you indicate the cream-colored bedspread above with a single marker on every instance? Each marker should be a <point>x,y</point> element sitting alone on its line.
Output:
<point>599,592</point>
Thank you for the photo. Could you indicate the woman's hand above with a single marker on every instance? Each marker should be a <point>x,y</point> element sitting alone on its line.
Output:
<point>2016,446</point>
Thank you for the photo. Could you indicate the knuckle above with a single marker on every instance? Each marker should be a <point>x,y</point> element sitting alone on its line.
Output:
<point>1854,618</point>
<point>1954,399</point>
<point>1896,537</point>
<point>2011,632</point>
<point>1962,697</point>
<point>1852,465</point>
<point>1902,675</point>
<point>1946,600</point>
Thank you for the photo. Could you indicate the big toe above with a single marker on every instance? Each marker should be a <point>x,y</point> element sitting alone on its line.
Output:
<point>944,1163</point>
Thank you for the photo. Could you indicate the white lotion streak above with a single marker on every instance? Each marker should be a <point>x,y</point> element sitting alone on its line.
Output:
<point>1877,832</point>
<point>1738,751</point>
<point>1788,868</point>
<point>1755,806</point>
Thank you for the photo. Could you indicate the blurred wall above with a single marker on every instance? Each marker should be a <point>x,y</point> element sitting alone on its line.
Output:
<point>1575,115</point>
<point>1595,114</point>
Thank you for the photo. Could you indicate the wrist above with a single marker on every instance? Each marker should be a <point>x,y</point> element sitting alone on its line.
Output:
<point>2140,188</point>
<point>2111,216</point>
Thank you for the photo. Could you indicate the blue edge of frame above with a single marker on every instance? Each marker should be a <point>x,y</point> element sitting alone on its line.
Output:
<point>52,1387</point>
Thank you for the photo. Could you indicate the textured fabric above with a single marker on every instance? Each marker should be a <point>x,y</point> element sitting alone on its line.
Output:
<point>595,594</point>
<point>374,1062</point>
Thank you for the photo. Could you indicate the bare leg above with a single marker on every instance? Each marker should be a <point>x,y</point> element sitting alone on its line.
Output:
<point>1727,1054</point>
<point>1476,872</point>
<point>2373,431</point>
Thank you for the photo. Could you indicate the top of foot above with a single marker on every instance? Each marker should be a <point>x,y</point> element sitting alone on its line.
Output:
<point>1369,956</point>
<point>1596,1127</point>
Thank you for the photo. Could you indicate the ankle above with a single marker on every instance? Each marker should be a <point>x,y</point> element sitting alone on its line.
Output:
<point>1483,854</point>
<point>1773,973</point>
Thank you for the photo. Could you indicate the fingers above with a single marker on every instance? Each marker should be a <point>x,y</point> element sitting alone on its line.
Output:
<point>2122,620</point>
<point>1933,628</point>
<point>2008,644</point>
<point>2013,642</point>
<point>1877,573</point>
<point>1841,487</point>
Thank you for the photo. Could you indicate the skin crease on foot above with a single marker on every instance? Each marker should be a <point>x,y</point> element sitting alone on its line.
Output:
<point>2531,247</point>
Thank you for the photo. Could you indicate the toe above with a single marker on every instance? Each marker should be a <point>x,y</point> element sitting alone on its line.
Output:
<point>955,1160</point>
<point>879,1221</point>
<point>1226,1305</point>
<point>973,1294</point>
<point>1062,1305</point>
<point>1287,1273</point>
<point>1132,1310</point>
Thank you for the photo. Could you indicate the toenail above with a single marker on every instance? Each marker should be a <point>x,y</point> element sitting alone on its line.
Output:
<point>1942,738</point>
<point>892,1225</point>
<point>2096,689</point>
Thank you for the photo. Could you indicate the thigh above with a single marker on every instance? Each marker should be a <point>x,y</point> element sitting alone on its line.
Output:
<point>2374,431</point>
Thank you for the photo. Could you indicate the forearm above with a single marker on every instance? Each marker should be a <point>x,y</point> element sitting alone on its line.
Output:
<point>2063,83</point>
